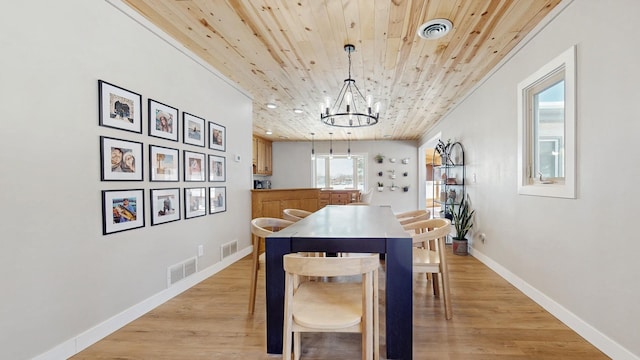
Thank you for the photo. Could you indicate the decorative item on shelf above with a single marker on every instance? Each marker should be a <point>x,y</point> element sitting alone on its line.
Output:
<point>379,173</point>
<point>462,217</point>
<point>358,110</point>
<point>451,181</point>
<point>380,186</point>
<point>405,161</point>
<point>452,196</point>
<point>393,174</point>
<point>379,158</point>
<point>406,173</point>
<point>393,187</point>
<point>405,188</point>
<point>443,150</point>
<point>443,196</point>
<point>392,160</point>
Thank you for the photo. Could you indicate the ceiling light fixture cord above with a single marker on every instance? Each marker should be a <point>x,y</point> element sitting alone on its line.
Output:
<point>330,145</point>
<point>353,100</point>
<point>313,149</point>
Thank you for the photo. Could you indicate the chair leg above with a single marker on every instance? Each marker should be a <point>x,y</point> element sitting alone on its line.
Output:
<point>296,346</point>
<point>448,312</point>
<point>376,318</point>
<point>436,285</point>
<point>254,274</point>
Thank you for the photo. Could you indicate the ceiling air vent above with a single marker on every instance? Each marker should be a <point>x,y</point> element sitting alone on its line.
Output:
<point>435,28</point>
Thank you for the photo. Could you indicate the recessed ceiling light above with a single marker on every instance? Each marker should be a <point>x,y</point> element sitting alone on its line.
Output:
<point>434,29</point>
<point>268,132</point>
<point>271,105</point>
<point>298,111</point>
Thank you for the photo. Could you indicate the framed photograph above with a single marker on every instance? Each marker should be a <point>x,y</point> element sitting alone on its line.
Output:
<point>164,163</point>
<point>165,205</point>
<point>193,129</point>
<point>217,136</point>
<point>217,199</point>
<point>122,210</point>
<point>195,166</point>
<point>120,159</point>
<point>163,121</point>
<point>195,202</point>
<point>217,168</point>
<point>119,108</point>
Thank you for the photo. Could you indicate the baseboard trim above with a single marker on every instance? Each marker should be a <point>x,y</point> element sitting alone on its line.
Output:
<point>591,334</point>
<point>82,341</point>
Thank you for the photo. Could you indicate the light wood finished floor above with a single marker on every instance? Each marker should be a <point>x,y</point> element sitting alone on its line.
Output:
<point>491,320</point>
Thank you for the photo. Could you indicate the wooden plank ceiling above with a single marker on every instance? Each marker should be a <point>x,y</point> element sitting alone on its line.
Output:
<point>290,53</point>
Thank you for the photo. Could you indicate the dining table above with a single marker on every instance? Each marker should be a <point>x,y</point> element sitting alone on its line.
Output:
<point>351,229</point>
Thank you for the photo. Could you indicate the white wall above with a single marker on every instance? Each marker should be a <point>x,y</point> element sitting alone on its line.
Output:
<point>578,257</point>
<point>61,276</point>
<point>292,168</point>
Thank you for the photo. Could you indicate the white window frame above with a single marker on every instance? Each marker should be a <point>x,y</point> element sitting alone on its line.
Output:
<point>328,172</point>
<point>529,183</point>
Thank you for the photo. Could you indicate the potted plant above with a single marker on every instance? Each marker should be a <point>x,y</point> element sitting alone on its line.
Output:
<point>379,158</point>
<point>462,222</point>
<point>380,186</point>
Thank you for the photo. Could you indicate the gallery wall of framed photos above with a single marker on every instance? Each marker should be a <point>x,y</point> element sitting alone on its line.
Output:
<point>197,160</point>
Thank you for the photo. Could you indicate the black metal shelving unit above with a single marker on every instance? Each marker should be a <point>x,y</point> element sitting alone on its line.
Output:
<point>448,180</point>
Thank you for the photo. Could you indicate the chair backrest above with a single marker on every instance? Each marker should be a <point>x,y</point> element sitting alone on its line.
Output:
<point>427,230</point>
<point>295,214</point>
<point>410,213</point>
<point>366,197</point>
<point>419,215</point>
<point>299,264</point>
<point>264,226</point>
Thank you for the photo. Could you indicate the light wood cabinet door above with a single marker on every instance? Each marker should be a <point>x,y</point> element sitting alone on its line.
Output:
<point>262,154</point>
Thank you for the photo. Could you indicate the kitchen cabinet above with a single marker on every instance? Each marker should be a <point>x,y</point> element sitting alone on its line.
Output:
<point>338,197</point>
<point>262,158</point>
<point>270,203</point>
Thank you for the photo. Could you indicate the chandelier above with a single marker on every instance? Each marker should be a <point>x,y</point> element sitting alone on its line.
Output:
<point>358,111</point>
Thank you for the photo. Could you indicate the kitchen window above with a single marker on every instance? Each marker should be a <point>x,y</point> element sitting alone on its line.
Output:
<point>339,172</point>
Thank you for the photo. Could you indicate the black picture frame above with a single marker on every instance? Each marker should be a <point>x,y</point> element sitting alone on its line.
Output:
<point>120,160</point>
<point>122,210</point>
<point>119,108</point>
<point>193,130</point>
<point>217,199</point>
<point>217,168</point>
<point>164,163</point>
<point>195,202</point>
<point>217,137</point>
<point>165,205</point>
<point>163,120</point>
<point>195,166</point>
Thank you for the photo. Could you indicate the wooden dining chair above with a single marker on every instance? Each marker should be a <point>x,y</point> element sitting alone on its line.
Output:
<point>261,228</point>
<point>413,216</point>
<point>313,306</point>
<point>295,214</point>
<point>428,255</point>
